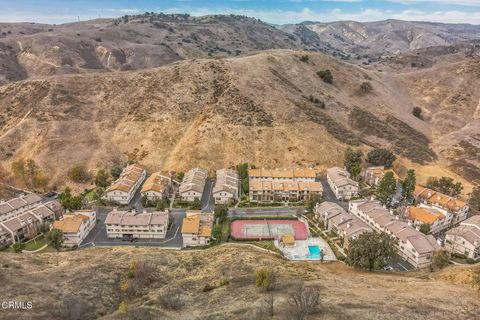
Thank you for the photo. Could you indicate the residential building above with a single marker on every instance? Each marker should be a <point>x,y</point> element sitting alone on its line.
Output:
<point>144,225</point>
<point>412,245</point>
<point>158,186</point>
<point>17,206</point>
<point>193,184</point>
<point>373,175</point>
<point>465,239</point>
<point>226,186</point>
<point>76,226</point>
<point>123,189</point>
<point>437,219</point>
<point>342,186</point>
<point>197,228</point>
<point>325,211</point>
<point>442,203</point>
<point>25,225</point>
<point>282,175</point>
<point>273,191</point>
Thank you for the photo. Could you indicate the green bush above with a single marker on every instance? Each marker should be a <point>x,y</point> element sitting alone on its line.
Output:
<point>265,279</point>
<point>326,76</point>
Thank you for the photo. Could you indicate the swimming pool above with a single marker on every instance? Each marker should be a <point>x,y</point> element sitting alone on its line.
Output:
<point>314,252</point>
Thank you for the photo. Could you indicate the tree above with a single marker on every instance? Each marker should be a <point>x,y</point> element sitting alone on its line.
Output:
<point>196,204</point>
<point>445,185</point>
<point>304,301</point>
<point>371,250</point>
<point>408,185</point>
<point>221,213</point>
<point>353,162</point>
<point>417,112</point>
<point>474,200</point>
<point>265,279</point>
<point>381,157</point>
<point>304,58</point>
<point>28,172</point>
<point>180,175</point>
<point>440,259</point>
<point>311,201</point>
<point>217,232</point>
<point>242,170</point>
<point>366,87</point>
<point>70,202</point>
<point>55,238</point>
<point>115,172</point>
<point>326,76</point>
<point>79,174</point>
<point>386,188</point>
<point>425,228</point>
<point>102,179</point>
<point>161,204</point>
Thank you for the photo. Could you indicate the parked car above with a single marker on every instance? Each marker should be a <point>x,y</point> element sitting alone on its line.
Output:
<point>51,194</point>
<point>388,268</point>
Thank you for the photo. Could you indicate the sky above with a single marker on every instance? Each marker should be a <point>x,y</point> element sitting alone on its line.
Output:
<point>271,11</point>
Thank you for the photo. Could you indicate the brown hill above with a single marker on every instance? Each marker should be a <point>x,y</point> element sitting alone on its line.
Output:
<point>130,43</point>
<point>216,113</point>
<point>87,285</point>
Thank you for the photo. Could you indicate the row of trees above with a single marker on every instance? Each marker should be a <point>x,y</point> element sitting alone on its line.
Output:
<point>353,159</point>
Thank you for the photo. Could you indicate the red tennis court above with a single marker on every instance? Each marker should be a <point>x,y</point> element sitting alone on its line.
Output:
<point>267,229</point>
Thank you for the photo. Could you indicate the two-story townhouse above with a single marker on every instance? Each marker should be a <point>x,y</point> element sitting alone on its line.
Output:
<point>465,239</point>
<point>226,189</point>
<point>193,184</point>
<point>342,186</point>
<point>124,188</point>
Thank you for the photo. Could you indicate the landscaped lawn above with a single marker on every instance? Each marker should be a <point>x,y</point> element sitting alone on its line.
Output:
<point>35,244</point>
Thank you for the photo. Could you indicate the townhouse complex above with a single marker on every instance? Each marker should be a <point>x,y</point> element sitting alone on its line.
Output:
<point>412,245</point>
<point>76,226</point>
<point>145,225</point>
<point>124,188</point>
<point>465,239</point>
<point>346,225</point>
<point>197,228</point>
<point>342,186</point>
<point>451,210</point>
<point>274,185</point>
<point>193,184</point>
<point>20,218</point>
<point>226,189</point>
<point>159,185</point>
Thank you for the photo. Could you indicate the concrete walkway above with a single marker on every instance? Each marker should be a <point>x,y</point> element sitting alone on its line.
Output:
<point>34,251</point>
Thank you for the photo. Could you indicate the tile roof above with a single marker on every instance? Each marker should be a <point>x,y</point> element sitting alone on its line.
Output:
<point>199,224</point>
<point>340,177</point>
<point>70,224</point>
<point>124,218</point>
<point>158,182</point>
<point>194,180</point>
<point>130,175</point>
<point>438,198</point>
<point>227,180</point>
<point>256,185</point>
<point>424,215</point>
<point>20,221</point>
<point>287,173</point>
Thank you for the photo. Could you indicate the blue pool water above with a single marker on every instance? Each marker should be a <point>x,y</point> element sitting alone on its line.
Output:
<point>314,252</point>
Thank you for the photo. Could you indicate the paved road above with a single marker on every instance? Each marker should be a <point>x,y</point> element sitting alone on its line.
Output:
<point>136,202</point>
<point>328,194</point>
<point>265,212</point>
<point>98,236</point>
<point>208,202</point>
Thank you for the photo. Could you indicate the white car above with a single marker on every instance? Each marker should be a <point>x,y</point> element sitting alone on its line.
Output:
<point>388,268</point>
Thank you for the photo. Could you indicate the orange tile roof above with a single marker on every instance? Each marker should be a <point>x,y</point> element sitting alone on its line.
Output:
<point>191,224</point>
<point>424,215</point>
<point>158,182</point>
<point>439,198</point>
<point>70,224</point>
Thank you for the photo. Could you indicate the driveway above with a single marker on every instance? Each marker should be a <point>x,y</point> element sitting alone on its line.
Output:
<point>398,264</point>
<point>329,195</point>
<point>136,202</point>
<point>98,236</point>
<point>208,203</point>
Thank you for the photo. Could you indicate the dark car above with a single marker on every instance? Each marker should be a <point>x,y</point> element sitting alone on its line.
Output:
<point>51,194</point>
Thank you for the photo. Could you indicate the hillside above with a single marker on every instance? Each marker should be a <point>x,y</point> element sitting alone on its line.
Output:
<point>215,113</point>
<point>129,43</point>
<point>389,36</point>
<point>90,280</point>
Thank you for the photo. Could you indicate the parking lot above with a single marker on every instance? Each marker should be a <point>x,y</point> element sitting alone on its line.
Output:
<point>98,236</point>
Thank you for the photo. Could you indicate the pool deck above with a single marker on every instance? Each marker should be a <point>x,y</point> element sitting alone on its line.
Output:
<point>300,251</point>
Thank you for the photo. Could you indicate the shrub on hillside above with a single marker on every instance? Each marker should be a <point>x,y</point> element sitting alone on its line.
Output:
<point>326,76</point>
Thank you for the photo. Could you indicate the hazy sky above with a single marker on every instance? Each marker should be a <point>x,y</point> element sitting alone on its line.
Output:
<point>273,11</point>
